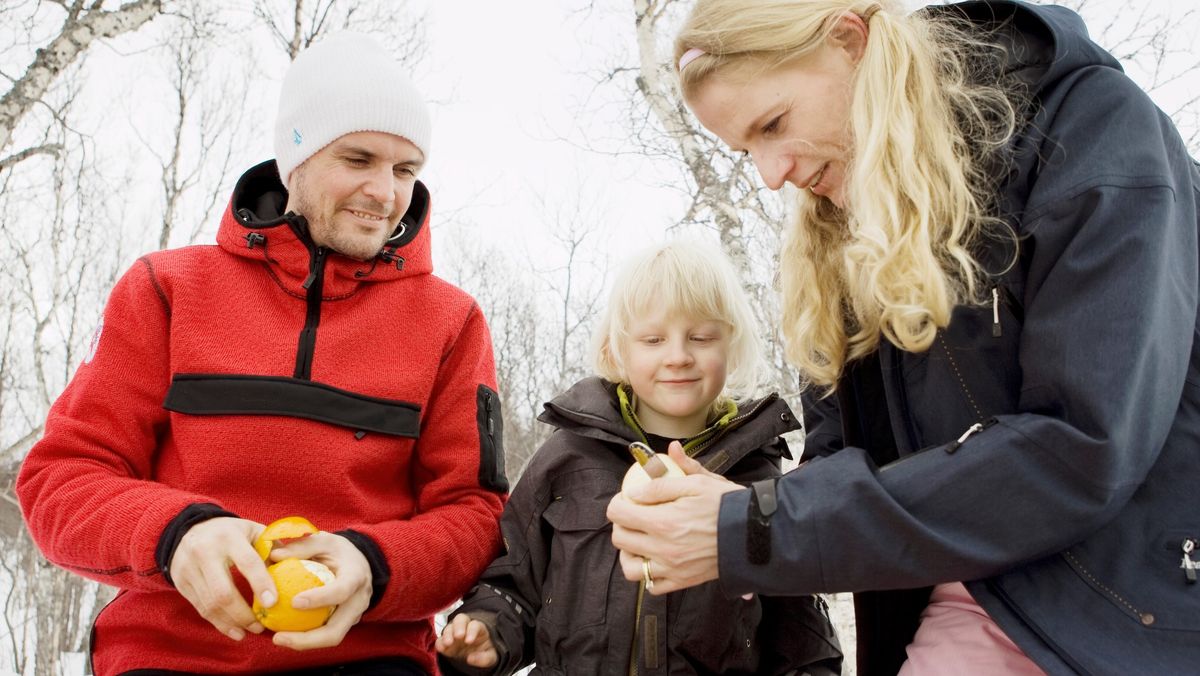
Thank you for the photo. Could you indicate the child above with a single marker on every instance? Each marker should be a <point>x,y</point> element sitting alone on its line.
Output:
<point>676,351</point>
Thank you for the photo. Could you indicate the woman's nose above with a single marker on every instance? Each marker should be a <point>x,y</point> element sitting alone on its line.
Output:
<point>774,169</point>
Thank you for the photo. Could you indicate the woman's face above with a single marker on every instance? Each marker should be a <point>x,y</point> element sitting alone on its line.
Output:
<point>793,120</point>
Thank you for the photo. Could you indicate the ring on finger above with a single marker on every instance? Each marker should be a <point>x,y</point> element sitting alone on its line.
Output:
<point>646,576</point>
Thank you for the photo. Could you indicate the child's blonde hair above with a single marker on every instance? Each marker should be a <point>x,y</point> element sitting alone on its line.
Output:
<point>691,278</point>
<point>930,117</point>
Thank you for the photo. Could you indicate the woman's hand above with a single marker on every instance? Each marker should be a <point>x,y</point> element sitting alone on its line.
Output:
<point>666,530</point>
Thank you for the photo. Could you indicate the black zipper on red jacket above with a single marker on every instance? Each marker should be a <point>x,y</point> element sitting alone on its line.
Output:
<point>312,318</point>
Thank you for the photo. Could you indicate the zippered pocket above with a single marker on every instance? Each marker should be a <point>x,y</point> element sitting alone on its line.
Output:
<point>1148,582</point>
<point>491,435</point>
<point>1003,299</point>
<point>949,448</point>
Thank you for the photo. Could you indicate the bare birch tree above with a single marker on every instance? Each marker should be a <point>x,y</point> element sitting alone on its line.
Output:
<point>58,272</point>
<point>55,269</point>
<point>82,24</point>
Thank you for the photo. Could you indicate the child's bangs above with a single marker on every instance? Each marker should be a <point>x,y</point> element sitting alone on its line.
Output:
<point>673,283</point>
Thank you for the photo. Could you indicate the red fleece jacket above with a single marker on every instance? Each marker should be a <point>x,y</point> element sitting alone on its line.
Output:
<point>116,467</point>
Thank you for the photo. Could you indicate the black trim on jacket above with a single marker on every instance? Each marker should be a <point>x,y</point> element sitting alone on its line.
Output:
<point>178,527</point>
<point>381,573</point>
<point>224,394</point>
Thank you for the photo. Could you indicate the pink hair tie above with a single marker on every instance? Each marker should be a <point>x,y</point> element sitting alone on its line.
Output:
<point>690,56</point>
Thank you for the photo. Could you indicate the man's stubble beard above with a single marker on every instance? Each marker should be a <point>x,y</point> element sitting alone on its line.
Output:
<point>325,234</point>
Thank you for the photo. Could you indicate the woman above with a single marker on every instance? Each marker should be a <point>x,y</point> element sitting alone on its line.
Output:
<point>990,289</point>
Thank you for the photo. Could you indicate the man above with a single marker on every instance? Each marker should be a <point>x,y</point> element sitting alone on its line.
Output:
<point>308,364</point>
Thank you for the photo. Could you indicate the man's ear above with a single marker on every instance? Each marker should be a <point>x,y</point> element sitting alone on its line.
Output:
<point>850,34</point>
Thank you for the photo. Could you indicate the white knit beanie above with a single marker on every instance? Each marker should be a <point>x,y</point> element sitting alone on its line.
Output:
<point>345,83</point>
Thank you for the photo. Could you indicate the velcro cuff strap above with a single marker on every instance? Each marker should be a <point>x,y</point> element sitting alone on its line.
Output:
<point>758,521</point>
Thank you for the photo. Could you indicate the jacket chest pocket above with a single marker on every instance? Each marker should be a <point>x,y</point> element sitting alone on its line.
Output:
<point>582,561</point>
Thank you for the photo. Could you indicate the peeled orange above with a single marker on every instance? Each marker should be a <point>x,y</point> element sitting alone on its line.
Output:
<point>287,528</point>
<point>293,576</point>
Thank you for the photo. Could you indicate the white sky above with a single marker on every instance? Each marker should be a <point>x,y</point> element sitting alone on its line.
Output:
<point>521,101</point>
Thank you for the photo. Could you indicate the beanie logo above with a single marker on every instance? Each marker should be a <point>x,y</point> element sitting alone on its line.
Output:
<point>296,137</point>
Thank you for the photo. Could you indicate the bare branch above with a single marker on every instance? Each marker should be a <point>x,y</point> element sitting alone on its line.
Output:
<point>77,34</point>
<point>44,149</point>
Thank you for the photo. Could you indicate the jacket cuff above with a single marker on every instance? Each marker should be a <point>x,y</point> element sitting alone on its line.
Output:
<point>381,573</point>
<point>733,568</point>
<point>178,527</point>
<point>509,622</point>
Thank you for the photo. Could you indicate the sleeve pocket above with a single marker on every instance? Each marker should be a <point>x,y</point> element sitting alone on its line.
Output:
<point>491,445</point>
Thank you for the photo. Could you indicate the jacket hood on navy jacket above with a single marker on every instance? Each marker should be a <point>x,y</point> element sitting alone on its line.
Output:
<point>1044,45</point>
<point>1044,42</point>
<point>255,226</point>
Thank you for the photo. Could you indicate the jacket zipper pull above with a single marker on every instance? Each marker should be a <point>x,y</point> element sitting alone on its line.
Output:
<point>1188,565</point>
<point>491,424</point>
<point>954,446</point>
<point>313,267</point>
<point>996,312</point>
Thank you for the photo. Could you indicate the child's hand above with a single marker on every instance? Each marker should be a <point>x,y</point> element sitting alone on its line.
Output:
<point>467,640</point>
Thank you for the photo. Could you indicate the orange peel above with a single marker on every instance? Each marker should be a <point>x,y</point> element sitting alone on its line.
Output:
<point>280,531</point>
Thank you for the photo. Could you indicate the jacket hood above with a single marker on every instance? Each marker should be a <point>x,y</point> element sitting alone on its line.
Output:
<point>254,226</point>
<point>1044,42</point>
<point>591,408</point>
<point>1046,48</point>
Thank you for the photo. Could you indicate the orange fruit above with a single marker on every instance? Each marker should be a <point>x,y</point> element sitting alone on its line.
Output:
<point>287,528</point>
<point>293,576</point>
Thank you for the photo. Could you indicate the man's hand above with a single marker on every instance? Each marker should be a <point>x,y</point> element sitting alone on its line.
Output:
<point>201,572</point>
<point>350,590</point>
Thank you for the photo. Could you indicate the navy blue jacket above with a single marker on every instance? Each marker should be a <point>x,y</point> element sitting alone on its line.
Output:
<point>1068,507</point>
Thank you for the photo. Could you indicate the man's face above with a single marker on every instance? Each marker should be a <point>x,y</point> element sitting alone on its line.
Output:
<point>354,191</point>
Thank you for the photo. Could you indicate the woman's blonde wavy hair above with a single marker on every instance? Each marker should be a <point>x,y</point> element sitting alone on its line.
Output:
<point>691,278</point>
<point>929,115</point>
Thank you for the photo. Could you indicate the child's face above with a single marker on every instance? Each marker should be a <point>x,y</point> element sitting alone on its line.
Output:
<point>676,367</point>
